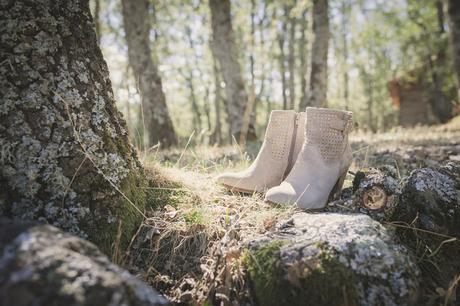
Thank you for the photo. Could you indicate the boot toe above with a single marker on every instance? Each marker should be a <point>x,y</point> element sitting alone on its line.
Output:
<point>236,182</point>
<point>283,194</point>
<point>229,179</point>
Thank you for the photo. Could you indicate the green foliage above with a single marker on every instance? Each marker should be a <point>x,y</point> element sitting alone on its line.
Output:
<point>194,217</point>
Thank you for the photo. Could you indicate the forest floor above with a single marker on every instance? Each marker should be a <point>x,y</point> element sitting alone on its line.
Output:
<point>189,250</point>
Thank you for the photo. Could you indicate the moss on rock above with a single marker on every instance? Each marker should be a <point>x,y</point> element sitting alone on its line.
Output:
<point>320,281</point>
<point>330,259</point>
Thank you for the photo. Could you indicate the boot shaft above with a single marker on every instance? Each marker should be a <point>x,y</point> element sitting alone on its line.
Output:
<point>328,130</point>
<point>279,133</point>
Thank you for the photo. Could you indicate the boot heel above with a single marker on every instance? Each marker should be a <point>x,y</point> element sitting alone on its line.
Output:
<point>338,185</point>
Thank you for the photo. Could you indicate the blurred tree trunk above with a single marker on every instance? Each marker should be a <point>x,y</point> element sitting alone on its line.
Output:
<point>261,27</point>
<point>251,54</point>
<point>66,157</point>
<point>196,113</point>
<point>216,136</point>
<point>291,60</point>
<point>282,57</point>
<point>225,50</point>
<point>318,74</point>
<point>189,78</point>
<point>303,54</point>
<point>453,15</point>
<point>369,91</point>
<point>137,28</point>
<point>253,118</point>
<point>207,109</point>
<point>345,12</point>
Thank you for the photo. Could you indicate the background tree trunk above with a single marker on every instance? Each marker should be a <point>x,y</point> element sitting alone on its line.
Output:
<point>345,11</point>
<point>291,61</point>
<point>282,57</point>
<point>137,28</point>
<point>217,133</point>
<point>65,156</point>
<point>318,75</point>
<point>225,51</point>
<point>453,14</point>
<point>188,76</point>
<point>303,54</point>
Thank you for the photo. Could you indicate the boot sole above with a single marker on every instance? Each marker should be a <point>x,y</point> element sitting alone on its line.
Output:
<point>336,189</point>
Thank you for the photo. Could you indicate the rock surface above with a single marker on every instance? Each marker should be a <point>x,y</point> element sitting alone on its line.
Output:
<point>40,265</point>
<point>331,259</point>
<point>432,198</point>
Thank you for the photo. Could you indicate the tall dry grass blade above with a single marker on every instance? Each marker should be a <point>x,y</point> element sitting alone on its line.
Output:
<point>185,149</point>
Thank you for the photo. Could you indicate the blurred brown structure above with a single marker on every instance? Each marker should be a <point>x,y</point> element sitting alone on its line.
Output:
<point>417,102</point>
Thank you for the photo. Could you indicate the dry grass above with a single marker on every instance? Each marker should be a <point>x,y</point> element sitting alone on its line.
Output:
<point>190,249</point>
<point>190,245</point>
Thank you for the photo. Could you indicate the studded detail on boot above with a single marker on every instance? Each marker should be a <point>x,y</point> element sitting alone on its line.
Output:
<point>283,142</point>
<point>321,165</point>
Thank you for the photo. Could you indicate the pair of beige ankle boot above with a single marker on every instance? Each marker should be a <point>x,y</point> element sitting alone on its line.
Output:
<point>303,160</point>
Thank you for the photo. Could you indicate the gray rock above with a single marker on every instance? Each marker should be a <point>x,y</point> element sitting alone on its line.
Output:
<point>431,197</point>
<point>428,196</point>
<point>41,265</point>
<point>331,259</point>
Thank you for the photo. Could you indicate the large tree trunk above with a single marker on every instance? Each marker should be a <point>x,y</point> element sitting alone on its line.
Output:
<point>453,15</point>
<point>318,75</point>
<point>137,27</point>
<point>225,51</point>
<point>65,155</point>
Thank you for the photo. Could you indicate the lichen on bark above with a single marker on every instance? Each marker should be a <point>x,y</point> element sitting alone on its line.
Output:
<point>65,156</point>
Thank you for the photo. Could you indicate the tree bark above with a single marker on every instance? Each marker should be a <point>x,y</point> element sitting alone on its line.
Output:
<point>225,50</point>
<point>453,16</point>
<point>137,28</point>
<point>65,157</point>
<point>318,75</point>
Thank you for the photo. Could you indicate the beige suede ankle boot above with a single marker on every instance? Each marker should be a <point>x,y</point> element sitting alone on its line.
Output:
<point>283,142</point>
<point>321,165</point>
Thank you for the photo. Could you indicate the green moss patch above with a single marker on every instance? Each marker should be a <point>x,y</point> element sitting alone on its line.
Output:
<point>318,281</point>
